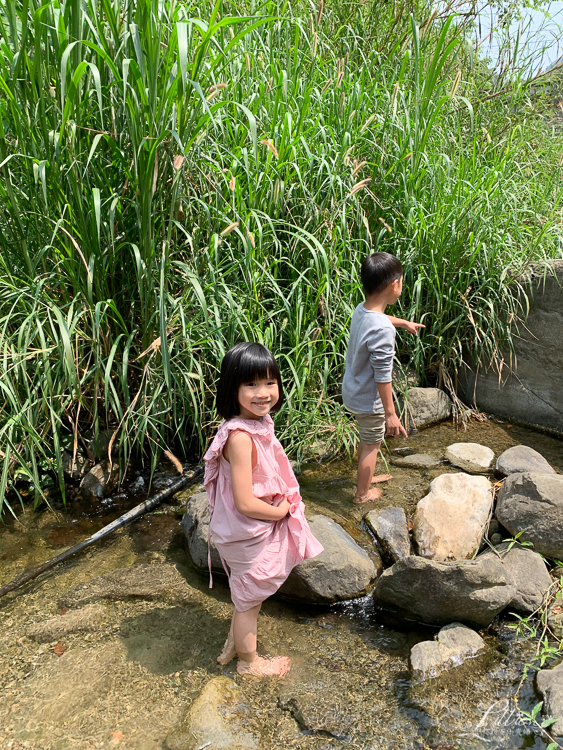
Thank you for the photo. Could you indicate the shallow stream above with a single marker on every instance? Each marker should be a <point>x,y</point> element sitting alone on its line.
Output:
<point>127,683</point>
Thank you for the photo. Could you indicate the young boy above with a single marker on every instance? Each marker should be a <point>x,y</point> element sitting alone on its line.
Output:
<point>366,388</point>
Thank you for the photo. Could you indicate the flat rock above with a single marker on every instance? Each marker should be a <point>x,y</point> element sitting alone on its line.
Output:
<point>426,406</point>
<point>195,525</point>
<point>520,459</point>
<point>391,531</point>
<point>99,482</point>
<point>156,582</point>
<point>217,719</point>
<point>532,504</point>
<point>529,574</point>
<point>416,461</point>
<point>453,645</point>
<point>343,571</point>
<point>88,618</point>
<point>549,683</point>
<point>472,592</point>
<point>450,521</point>
<point>471,457</point>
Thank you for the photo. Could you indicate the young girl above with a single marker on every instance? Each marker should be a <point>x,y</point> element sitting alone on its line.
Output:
<point>257,515</point>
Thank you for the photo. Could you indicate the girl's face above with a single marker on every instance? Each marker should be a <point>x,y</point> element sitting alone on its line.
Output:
<point>257,397</point>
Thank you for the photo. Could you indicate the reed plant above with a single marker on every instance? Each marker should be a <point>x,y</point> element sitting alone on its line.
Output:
<point>176,177</point>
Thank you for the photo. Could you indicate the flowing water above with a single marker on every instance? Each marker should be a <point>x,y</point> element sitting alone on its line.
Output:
<point>127,683</point>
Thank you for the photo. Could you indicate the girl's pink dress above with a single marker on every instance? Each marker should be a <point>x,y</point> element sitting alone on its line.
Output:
<point>259,554</point>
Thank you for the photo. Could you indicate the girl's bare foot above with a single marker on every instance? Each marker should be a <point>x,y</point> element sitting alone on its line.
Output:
<point>381,478</point>
<point>228,653</point>
<point>368,497</point>
<point>264,667</point>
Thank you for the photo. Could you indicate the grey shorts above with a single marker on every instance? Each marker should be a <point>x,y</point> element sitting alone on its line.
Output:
<point>371,427</point>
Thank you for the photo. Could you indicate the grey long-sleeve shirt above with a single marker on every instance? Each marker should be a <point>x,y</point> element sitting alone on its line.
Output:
<point>369,360</point>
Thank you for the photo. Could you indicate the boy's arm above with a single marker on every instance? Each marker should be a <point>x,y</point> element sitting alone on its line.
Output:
<point>393,426</point>
<point>409,325</point>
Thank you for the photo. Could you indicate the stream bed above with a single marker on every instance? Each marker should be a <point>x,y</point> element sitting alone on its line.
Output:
<point>130,680</point>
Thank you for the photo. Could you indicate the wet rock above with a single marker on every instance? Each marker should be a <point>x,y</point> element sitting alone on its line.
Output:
<point>217,719</point>
<point>88,618</point>
<point>74,470</point>
<point>426,406</point>
<point>391,531</point>
<point>416,461</point>
<point>100,481</point>
<point>529,574</point>
<point>496,539</point>
<point>453,645</point>
<point>343,571</point>
<point>549,683</point>
<point>520,459</point>
<point>195,525</point>
<point>555,618</point>
<point>532,504</point>
<point>450,521</point>
<point>471,457</point>
<point>156,582</point>
<point>472,592</point>
<point>320,711</point>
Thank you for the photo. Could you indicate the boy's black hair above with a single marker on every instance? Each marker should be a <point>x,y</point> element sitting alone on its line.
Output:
<point>379,270</point>
<point>244,363</point>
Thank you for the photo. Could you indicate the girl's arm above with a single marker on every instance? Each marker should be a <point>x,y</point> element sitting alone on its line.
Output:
<point>408,325</point>
<point>240,458</point>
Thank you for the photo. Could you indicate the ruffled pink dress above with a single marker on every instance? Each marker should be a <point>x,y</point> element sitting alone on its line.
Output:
<point>258,555</point>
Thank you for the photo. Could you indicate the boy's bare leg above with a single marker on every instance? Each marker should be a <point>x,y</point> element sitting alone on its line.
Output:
<point>381,478</point>
<point>245,626</point>
<point>367,457</point>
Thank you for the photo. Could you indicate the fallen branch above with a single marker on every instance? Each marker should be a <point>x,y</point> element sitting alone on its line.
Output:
<point>185,481</point>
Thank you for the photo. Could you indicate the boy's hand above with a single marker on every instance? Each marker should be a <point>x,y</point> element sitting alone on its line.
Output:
<point>412,327</point>
<point>393,426</point>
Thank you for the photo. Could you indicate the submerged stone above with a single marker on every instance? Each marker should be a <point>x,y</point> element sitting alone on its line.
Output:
<point>520,459</point>
<point>88,618</point>
<point>453,645</point>
<point>391,531</point>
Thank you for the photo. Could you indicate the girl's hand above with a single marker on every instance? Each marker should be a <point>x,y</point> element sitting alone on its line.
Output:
<point>284,507</point>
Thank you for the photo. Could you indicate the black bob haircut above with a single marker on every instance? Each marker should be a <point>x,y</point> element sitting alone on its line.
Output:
<point>244,363</point>
<point>379,270</point>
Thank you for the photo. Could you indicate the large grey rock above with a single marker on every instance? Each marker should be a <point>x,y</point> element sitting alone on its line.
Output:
<point>532,503</point>
<point>85,619</point>
<point>520,459</point>
<point>471,457</point>
<point>529,574</point>
<point>453,645</point>
<point>426,406</point>
<point>391,531</point>
<point>532,390</point>
<point>472,592</point>
<point>217,719</point>
<point>343,571</point>
<point>195,525</point>
<point>156,582</point>
<point>416,461</point>
<point>550,686</point>
<point>450,521</point>
<point>100,481</point>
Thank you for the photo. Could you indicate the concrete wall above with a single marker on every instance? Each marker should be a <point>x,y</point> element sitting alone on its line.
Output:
<point>533,391</point>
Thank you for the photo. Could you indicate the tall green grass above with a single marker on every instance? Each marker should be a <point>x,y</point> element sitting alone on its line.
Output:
<point>176,177</point>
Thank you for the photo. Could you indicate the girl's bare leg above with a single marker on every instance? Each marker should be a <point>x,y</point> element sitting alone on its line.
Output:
<point>229,651</point>
<point>245,626</point>
<point>367,457</point>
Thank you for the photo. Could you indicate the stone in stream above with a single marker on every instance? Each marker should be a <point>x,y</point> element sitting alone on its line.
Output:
<point>471,457</point>
<point>391,531</point>
<point>195,525</point>
<point>416,461</point>
<point>532,504</point>
<point>472,592</point>
<point>426,406</point>
<point>520,459</point>
<point>549,683</point>
<point>454,644</point>
<point>99,482</point>
<point>529,574</point>
<point>450,521</point>
<point>156,582</point>
<point>218,719</point>
<point>88,618</point>
<point>555,618</point>
<point>343,571</point>
<point>74,469</point>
